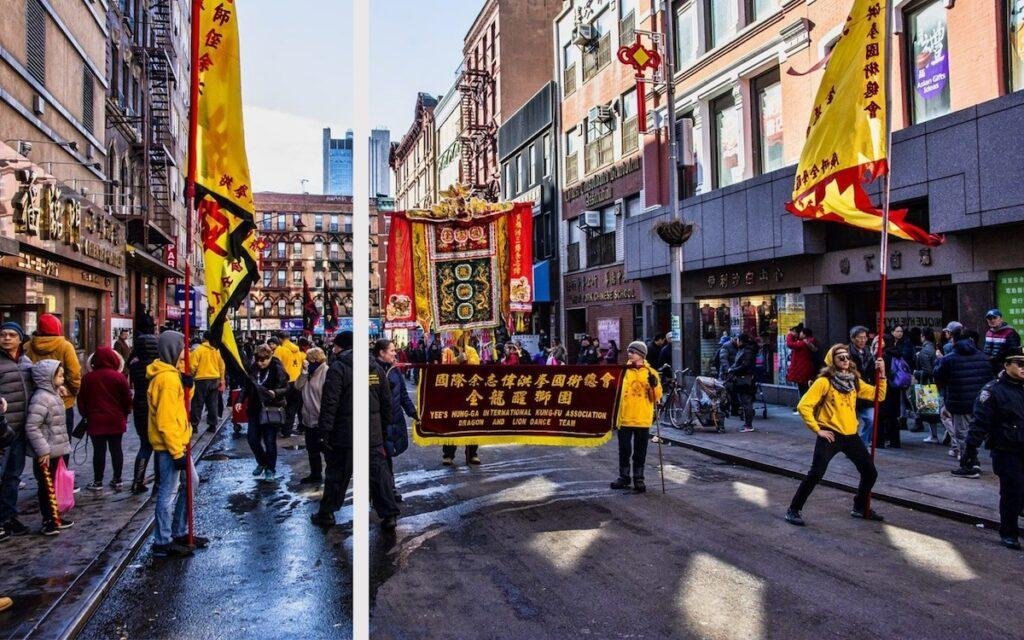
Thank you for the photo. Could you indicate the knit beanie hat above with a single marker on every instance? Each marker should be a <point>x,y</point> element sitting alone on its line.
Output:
<point>49,325</point>
<point>13,326</point>
<point>343,340</point>
<point>639,347</point>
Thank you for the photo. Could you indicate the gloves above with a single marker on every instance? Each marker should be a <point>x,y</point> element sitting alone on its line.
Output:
<point>651,380</point>
<point>188,381</point>
<point>180,464</point>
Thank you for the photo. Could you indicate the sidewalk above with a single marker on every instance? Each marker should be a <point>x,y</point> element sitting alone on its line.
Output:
<point>916,476</point>
<point>53,580</point>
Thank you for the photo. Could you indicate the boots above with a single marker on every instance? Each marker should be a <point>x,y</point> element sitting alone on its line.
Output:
<point>139,476</point>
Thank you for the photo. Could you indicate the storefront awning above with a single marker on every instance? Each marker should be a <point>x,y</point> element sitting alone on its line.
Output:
<point>140,260</point>
<point>542,281</point>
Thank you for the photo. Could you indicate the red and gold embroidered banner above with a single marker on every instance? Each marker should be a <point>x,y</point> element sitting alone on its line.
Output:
<point>520,259</point>
<point>399,297</point>
<point>571,406</point>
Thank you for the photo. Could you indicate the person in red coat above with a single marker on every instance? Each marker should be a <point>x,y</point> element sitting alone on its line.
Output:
<point>105,401</point>
<point>802,348</point>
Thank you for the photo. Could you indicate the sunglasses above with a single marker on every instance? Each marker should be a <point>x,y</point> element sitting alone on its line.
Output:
<point>262,359</point>
<point>842,357</point>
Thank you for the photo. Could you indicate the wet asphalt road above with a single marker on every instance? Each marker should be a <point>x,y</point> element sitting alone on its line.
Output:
<point>534,544</point>
<point>267,574</point>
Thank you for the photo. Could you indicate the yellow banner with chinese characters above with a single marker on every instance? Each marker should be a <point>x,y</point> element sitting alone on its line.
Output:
<point>847,138</point>
<point>223,190</point>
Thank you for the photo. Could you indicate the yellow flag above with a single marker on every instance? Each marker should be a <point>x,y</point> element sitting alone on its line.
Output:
<point>223,189</point>
<point>847,138</point>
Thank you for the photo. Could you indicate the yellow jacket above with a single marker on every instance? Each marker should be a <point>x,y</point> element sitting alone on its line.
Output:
<point>837,411</point>
<point>60,349</point>
<point>636,409</point>
<point>292,358</point>
<point>207,363</point>
<point>168,428</point>
<point>472,357</point>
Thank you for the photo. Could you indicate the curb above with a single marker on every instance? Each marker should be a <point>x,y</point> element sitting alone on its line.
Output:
<point>115,570</point>
<point>952,514</point>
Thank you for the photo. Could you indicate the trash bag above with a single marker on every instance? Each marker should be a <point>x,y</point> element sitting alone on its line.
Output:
<point>64,487</point>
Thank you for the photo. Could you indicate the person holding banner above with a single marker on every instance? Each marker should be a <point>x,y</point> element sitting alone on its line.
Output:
<point>641,389</point>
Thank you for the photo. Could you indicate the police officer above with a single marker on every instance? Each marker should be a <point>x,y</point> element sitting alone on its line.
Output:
<point>998,421</point>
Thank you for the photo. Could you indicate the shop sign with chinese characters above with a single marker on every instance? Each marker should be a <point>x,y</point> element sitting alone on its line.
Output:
<point>602,286</point>
<point>1010,296</point>
<point>562,406</point>
<point>597,189</point>
<point>745,278</point>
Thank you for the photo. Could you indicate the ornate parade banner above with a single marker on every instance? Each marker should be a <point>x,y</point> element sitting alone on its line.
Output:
<point>570,406</point>
<point>461,265</point>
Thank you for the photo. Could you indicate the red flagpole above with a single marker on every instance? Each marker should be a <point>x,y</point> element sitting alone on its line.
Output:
<point>190,197</point>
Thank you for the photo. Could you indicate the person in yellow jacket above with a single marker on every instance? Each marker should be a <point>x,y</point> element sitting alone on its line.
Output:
<point>472,353</point>
<point>48,343</point>
<point>291,358</point>
<point>641,389</point>
<point>169,435</point>
<point>208,372</point>
<point>830,410</point>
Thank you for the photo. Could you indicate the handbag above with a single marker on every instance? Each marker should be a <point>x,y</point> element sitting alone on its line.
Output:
<point>80,428</point>
<point>272,415</point>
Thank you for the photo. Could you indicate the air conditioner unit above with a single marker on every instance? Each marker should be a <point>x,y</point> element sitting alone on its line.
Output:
<point>583,34</point>
<point>601,113</point>
<point>590,220</point>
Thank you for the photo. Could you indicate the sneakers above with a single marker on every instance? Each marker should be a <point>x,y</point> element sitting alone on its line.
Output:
<point>172,550</point>
<point>931,440</point>
<point>794,518</point>
<point>322,520</point>
<point>966,472</point>
<point>94,486</point>
<point>1010,542</point>
<point>258,471</point>
<point>116,485</point>
<point>447,461</point>
<point>871,514</point>
<point>137,488</point>
<point>50,529</point>
<point>66,524</point>
<point>198,542</point>
<point>311,480</point>
<point>639,486</point>
<point>473,459</point>
<point>746,429</point>
<point>269,474</point>
<point>15,527</point>
<point>952,453</point>
<point>621,483</point>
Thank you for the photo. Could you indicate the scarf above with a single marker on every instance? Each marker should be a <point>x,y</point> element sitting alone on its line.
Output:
<point>843,381</point>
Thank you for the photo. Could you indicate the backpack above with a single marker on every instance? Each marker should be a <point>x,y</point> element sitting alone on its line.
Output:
<point>901,375</point>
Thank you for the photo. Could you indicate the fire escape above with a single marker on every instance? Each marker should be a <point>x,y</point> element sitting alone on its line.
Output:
<point>160,138</point>
<point>478,140</point>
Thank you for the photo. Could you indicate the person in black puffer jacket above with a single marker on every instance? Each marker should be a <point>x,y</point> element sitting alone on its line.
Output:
<point>266,388</point>
<point>382,483</point>
<point>396,436</point>
<point>144,352</point>
<point>335,428</point>
<point>960,376</point>
<point>741,379</point>
<point>16,389</point>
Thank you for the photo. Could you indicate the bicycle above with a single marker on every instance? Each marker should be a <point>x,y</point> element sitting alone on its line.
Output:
<point>671,408</point>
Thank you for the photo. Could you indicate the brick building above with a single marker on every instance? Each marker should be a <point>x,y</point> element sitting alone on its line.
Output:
<point>412,158</point>
<point>958,116</point>
<point>309,241</point>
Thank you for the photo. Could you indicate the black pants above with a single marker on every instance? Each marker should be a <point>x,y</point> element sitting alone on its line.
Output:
<point>854,449</point>
<point>314,451</point>
<point>382,485</point>
<point>746,406</point>
<point>1009,467</point>
<point>45,491</point>
<point>206,394</point>
<point>292,409</point>
<point>633,446</point>
<point>801,389</point>
<point>338,475</point>
<point>100,446</point>
<point>263,442</point>
<point>448,450</point>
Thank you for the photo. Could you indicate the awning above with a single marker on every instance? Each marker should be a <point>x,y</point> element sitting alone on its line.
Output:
<point>139,259</point>
<point>542,281</point>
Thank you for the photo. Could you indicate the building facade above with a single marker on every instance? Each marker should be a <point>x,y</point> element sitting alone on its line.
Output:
<point>337,163</point>
<point>412,159</point>
<point>380,170</point>
<point>601,170</point>
<point>750,266</point>
<point>448,132</point>
<point>309,242</point>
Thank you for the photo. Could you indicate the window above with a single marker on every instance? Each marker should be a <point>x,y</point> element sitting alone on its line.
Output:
<point>531,165</point>
<point>334,251</point>
<point>758,9</point>
<point>569,55</point>
<point>296,277</point>
<point>767,122</point>
<point>267,277</point>
<point>282,308</point>
<point>633,207</point>
<point>627,22</point>
<point>573,246</point>
<point>280,249</point>
<point>267,307</point>
<point>929,91</point>
<point>296,307</point>
<point>282,224</point>
<point>319,282</point>
<point>318,250</point>
<point>334,223</point>
<point>601,248</point>
<point>318,222</point>
<point>721,23</point>
<point>686,39</point>
<point>726,144</point>
<point>507,182</point>
<point>35,40</point>
<point>598,54</point>
<point>630,132</point>
<point>572,165</point>
<point>335,275</point>
<point>599,148</point>
<point>281,277</point>
<point>521,172</point>
<point>547,154</point>
<point>88,101</point>
<point>297,220</point>
<point>1015,33</point>
<point>296,249</point>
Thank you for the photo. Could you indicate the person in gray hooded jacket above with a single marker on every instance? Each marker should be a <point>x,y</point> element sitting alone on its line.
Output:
<point>16,389</point>
<point>47,433</point>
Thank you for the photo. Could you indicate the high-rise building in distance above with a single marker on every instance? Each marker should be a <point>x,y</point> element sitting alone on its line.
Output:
<point>338,163</point>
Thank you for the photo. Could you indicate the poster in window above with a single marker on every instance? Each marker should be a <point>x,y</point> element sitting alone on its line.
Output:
<point>932,60</point>
<point>770,107</point>
<point>1016,33</point>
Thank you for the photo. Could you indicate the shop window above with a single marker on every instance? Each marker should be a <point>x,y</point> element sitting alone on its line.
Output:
<point>768,121</point>
<point>1015,44</point>
<point>572,248</point>
<point>929,61</point>
<point>630,131</point>
<point>727,135</point>
<point>721,21</point>
<point>572,163</point>
<point>686,40</point>
<point>600,148</point>
<point>765,317</point>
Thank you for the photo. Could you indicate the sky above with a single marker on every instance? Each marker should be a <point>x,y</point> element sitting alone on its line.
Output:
<point>297,75</point>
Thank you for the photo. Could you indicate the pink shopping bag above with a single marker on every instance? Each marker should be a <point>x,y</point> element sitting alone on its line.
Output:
<point>64,487</point>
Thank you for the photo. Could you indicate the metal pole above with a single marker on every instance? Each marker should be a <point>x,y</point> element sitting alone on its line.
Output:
<point>676,253</point>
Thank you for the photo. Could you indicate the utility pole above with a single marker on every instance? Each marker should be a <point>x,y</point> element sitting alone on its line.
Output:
<point>676,252</point>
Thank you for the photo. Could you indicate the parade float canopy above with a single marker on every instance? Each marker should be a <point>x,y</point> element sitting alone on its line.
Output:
<point>463,264</point>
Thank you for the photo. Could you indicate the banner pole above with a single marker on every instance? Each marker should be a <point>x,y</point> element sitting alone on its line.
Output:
<point>190,198</point>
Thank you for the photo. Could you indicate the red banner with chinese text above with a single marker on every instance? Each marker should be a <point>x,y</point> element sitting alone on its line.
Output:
<point>520,259</point>
<point>573,406</point>
<point>399,305</point>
